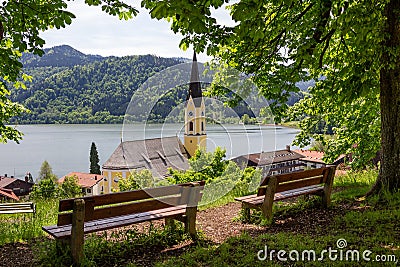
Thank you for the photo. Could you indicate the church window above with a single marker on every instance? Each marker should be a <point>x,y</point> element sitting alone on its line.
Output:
<point>191,126</point>
<point>202,126</point>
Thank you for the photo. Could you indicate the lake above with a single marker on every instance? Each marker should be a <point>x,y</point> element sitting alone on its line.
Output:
<point>66,147</point>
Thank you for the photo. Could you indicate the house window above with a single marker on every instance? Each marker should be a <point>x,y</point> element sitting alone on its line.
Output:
<point>89,190</point>
<point>191,126</point>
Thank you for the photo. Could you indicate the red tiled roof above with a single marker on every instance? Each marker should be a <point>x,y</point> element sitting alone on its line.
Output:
<point>312,156</point>
<point>8,193</point>
<point>4,181</point>
<point>85,180</point>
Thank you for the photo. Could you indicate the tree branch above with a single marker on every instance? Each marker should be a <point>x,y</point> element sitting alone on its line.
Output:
<point>328,39</point>
<point>1,31</point>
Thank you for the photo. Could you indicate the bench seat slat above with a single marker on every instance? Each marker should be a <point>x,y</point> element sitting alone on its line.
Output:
<point>113,222</point>
<point>15,211</point>
<point>258,200</point>
<point>15,208</point>
<point>12,208</point>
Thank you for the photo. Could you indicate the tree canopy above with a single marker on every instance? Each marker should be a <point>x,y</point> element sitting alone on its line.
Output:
<point>350,48</point>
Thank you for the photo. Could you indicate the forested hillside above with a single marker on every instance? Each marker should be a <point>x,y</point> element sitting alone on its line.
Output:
<point>71,87</point>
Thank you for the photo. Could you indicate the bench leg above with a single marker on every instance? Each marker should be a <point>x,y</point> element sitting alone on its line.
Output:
<point>77,231</point>
<point>266,206</point>
<point>190,223</point>
<point>246,212</point>
<point>326,197</point>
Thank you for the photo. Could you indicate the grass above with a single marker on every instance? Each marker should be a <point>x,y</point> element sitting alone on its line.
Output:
<point>237,191</point>
<point>370,224</point>
<point>23,227</point>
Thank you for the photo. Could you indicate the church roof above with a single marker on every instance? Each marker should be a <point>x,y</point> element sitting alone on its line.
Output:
<point>156,155</point>
<point>194,85</point>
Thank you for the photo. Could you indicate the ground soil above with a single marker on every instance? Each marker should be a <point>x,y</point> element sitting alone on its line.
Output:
<point>217,224</point>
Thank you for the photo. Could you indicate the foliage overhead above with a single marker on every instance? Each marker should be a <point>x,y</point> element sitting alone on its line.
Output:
<point>351,48</point>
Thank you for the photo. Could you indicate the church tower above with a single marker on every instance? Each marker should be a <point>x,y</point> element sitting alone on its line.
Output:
<point>195,120</point>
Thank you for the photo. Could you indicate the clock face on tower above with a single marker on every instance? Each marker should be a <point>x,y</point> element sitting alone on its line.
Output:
<point>190,113</point>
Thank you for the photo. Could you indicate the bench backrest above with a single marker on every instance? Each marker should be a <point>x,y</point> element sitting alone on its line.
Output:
<point>294,180</point>
<point>10,208</point>
<point>131,202</point>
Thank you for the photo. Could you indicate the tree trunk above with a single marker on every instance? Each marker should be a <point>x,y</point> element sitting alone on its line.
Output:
<point>389,174</point>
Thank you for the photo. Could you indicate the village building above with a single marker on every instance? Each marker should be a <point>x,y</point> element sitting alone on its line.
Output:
<point>272,162</point>
<point>314,159</point>
<point>19,187</point>
<point>159,154</point>
<point>7,195</point>
<point>311,159</point>
<point>90,183</point>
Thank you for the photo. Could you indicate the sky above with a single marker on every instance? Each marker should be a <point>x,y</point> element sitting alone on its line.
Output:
<point>95,32</point>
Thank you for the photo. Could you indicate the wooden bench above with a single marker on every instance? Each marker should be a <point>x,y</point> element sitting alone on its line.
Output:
<point>90,214</point>
<point>12,208</point>
<point>283,186</point>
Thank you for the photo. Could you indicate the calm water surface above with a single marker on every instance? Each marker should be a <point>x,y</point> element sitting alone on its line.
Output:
<point>66,147</point>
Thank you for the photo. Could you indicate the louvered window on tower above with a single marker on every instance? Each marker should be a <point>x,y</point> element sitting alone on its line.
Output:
<point>191,126</point>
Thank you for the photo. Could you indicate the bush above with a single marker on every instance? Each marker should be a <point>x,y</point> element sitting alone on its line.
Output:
<point>137,180</point>
<point>46,188</point>
<point>69,188</point>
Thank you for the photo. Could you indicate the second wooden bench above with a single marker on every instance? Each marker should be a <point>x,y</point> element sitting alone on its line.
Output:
<point>279,187</point>
<point>19,207</point>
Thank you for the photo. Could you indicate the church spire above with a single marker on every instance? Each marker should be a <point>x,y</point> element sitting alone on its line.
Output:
<point>194,85</point>
<point>195,121</point>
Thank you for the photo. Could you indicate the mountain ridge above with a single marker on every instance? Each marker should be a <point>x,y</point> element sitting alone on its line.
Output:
<point>69,86</point>
<point>59,56</point>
